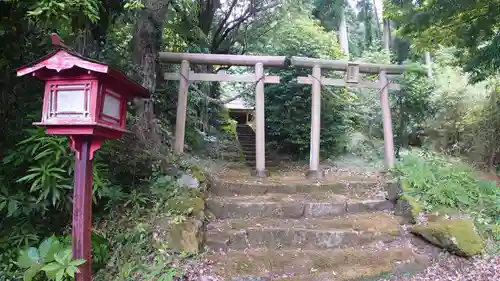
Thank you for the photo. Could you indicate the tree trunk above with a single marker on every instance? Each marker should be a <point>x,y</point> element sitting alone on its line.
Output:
<point>428,63</point>
<point>377,19</point>
<point>387,36</point>
<point>343,37</point>
<point>146,46</point>
<point>494,131</point>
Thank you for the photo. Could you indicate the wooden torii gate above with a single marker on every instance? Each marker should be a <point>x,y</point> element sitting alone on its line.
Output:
<point>351,79</point>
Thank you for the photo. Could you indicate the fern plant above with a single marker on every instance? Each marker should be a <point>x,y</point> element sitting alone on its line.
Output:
<point>42,168</point>
<point>439,181</point>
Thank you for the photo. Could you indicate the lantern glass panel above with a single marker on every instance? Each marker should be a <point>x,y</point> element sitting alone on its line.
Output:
<point>69,101</point>
<point>111,106</point>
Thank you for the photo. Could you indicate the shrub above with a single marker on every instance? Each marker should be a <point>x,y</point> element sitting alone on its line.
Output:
<point>439,181</point>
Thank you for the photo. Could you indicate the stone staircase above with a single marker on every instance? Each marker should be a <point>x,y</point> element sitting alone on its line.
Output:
<point>246,138</point>
<point>304,232</point>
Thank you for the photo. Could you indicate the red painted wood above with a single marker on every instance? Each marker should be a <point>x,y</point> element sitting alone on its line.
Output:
<point>82,206</point>
<point>96,130</point>
<point>66,64</point>
<point>62,60</point>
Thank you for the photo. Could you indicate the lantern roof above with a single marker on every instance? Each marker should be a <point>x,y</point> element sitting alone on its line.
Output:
<point>65,59</point>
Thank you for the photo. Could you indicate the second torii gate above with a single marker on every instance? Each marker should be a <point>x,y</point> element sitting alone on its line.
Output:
<point>351,79</point>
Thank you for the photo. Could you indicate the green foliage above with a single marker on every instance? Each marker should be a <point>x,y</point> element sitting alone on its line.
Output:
<point>227,125</point>
<point>100,251</point>
<point>51,258</point>
<point>136,253</point>
<point>40,169</point>
<point>63,267</point>
<point>288,118</point>
<point>439,181</point>
<point>298,35</point>
<point>133,4</point>
<point>411,107</point>
<point>466,116</point>
<point>54,10</point>
<point>470,26</point>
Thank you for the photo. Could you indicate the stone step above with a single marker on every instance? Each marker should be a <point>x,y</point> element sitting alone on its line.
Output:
<point>253,159</point>
<point>247,143</point>
<point>357,188</point>
<point>292,206</point>
<point>315,233</point>
<point>248,147</point>
<point>246,136</point>
<point>253,164</point>
<point>251,156</point>
<point>313,265</point>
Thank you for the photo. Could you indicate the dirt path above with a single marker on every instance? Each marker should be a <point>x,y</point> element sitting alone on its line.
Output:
<point>453,268</point>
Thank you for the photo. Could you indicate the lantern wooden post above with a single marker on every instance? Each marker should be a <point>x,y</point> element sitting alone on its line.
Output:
<point>387,120</point>
<point>260,137</point>
<point>314,171</point>
<point>180,123</point>
<point>82,204</point>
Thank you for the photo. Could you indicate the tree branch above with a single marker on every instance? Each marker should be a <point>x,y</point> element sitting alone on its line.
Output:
<point>226,17</point>
<point>250,11</point>
<point>227,67</point>
<point>216,43</point>
<point>228,100</point>
<point>189,25</point>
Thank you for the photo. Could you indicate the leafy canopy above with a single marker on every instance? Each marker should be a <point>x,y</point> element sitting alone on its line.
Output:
<point>470,26</point>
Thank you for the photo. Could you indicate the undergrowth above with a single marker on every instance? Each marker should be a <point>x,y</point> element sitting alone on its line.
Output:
<point>136,251</point>
<point>440,182</point>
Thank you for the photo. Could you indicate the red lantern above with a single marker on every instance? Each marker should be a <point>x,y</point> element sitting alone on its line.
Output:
<point>85,100</point>
<point>82,97</point>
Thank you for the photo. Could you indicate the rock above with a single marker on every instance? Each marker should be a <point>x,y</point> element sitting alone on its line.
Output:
<point>457,236</point>
<point>394,191</point>
<point>189,181</point>
<point>408,207</point>
<point>186,236</point>
<point>187,206</point>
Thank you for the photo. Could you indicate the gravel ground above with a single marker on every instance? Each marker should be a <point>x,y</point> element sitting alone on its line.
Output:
<point>453,268</point>
<point>448,268</point>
